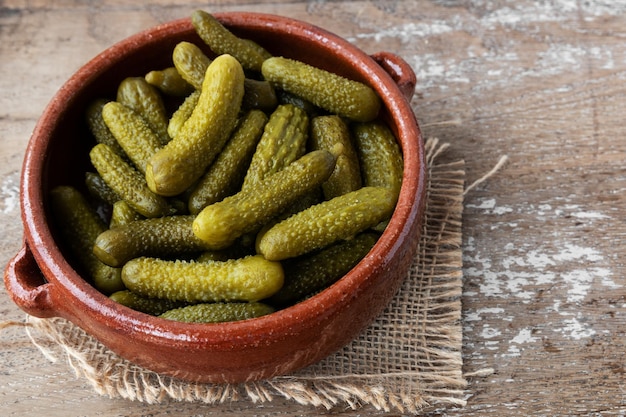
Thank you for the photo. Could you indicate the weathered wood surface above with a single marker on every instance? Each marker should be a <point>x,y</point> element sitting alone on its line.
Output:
<point>544,82</point>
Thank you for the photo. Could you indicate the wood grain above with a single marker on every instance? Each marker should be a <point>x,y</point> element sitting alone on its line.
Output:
<point>544,239</point>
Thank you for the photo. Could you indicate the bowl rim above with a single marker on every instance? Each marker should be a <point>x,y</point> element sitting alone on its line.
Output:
<point>321,306</point>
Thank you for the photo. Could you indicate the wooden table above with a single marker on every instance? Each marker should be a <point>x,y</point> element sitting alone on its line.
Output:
<point>543,82</point>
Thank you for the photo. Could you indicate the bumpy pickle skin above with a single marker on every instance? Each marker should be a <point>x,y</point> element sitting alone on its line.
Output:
<point>218,312</point>
<point>80,225</point>
<point>152,306</point>
<point>132,132</point>
<point>334,93</point>
<point>283,141</point>
<point>220,224</point>
<point>323,224</point>
<point>223,41</point>
<point>379,155</point>
<point>191,63</point>
<point>225,176</point>
<point>308,274</point>
<point>122,214</point>
<point>182,113</point>
<point>167,236</point>
<point>137,94</point>
<point>127,182</point>
<point>169,82</point>
<point>98,127</point>
<point>326,131</point>
<point>184,159</point>
<point>252,278</point>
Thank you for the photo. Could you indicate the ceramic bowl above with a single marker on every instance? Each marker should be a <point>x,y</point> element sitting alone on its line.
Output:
<point>45,284</point>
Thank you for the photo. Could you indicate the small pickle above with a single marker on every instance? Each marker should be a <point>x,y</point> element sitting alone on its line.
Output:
<point>379,156</point>
<point>252,278</point>
<point>308,274</point>
<point>132,132</point>
<point>323,224</point>
<point>334,93</point>
<point>137,94</point>
<point>326,131</point>
<point>191,63</point>
<point>99,189</point>
<point>122,214</point>
<point>98,127</point>
<point>127,182</point>
<point>218,312</point>
<point>247,211</point>
<point>80,225</point>
<point>152,306</point>
<point>170,82</point>
<point>283,141</point>
<point>182,113</point>
<point>225,175</point>
<point>160,237</point>
<point>185,158</point>
<point>223,41</point>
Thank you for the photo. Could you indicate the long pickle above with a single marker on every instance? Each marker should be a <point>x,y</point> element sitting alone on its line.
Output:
<point>379,156</point>
<point>247,211</point>
<point>169,82</point>
<point>98,127</point>
<point>127,182</point>
<point>326,131</point>
<point>132,132</point>
<point>136,93</point>
<point>191,63</point>
<point>308,274</point>
<point>323,224</point>
<point>152,306</point>
<point>339,95</point>
<point>218,312</point>
<point>182,113</point>
<point>184,159</point>
<point>283,141</point>
<point>80,225</point>
<point>225,175</point>
<point>252,278</point>
<point>160,237</point>
<point>223,41</point>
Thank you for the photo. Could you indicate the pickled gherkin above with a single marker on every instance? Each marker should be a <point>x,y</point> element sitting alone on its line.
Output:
<point>283,141</point>
<point>226,174</point>
<point>223,41</point>
<point>326,131</point>
<point>127,182</point>
<point>98,127</point>
<point>137,94</point>
<point>252,278</point>
<point>132,132</point>
<point>247,211</point>
<point>175,167</point>
<point>334,93</point>
<point>122,214</point>
<point>169,81</point>
<point>320,225</point>
<point>191,63</point>
<point>80,225</point>
<point>163,237</point>
<point>218,312</point>
<point>310,273</point>
<point>182,113</point>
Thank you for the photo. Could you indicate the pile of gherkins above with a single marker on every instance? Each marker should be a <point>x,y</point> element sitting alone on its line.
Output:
<point>269,181</point>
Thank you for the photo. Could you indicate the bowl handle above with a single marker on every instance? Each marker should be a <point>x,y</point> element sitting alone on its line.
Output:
<point>27,286</point>
<point>400,71</point>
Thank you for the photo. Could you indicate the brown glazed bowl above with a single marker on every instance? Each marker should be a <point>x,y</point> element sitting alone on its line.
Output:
<point>44,283</point>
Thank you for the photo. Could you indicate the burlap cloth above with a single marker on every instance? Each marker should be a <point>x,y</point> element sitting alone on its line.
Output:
<point>408,360</point>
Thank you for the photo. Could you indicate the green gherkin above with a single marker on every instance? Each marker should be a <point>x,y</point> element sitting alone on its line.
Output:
<point>218,312</point>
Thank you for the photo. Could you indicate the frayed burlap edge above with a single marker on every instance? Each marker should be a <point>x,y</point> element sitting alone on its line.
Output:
<point>423,367</point>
